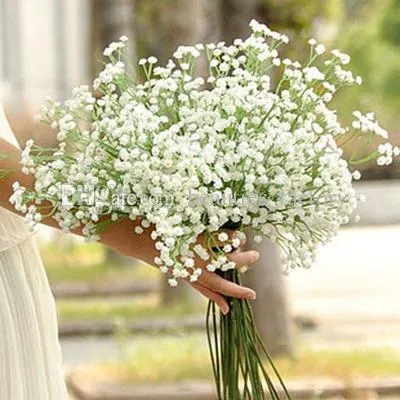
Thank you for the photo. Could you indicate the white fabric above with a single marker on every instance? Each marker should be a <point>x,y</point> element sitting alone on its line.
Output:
<point>30,355</point>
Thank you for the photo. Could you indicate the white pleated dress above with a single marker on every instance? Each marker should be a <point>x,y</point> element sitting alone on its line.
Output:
<point>30,355</point>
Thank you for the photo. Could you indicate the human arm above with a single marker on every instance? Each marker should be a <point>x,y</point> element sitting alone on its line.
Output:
<point>121,237</point>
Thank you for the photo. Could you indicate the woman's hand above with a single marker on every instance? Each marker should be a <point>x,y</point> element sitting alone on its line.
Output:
<point>122,238</point>
<point>212,286</point>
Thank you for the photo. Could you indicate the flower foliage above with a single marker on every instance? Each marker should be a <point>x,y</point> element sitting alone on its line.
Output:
<point>194,153</point>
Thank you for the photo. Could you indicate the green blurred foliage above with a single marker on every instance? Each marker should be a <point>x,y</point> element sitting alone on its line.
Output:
<point>391,85</point>
<point>300,15</point>
<point>378,62</point>
<point>333,10</point>
<point>391,23</point>
<point>147,26</point>
<point>355,8</point>
<point>298,19</point>
<point>295,15</point>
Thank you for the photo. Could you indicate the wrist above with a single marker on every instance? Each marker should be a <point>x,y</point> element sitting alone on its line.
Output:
<point>122,237</point>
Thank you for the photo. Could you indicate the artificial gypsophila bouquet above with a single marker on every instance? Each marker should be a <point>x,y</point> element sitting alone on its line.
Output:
<point>190,155</point>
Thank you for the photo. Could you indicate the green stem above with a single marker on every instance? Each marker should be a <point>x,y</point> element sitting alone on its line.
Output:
<point>213,362</point>
<point>238,354</point>
<point>217,356</point>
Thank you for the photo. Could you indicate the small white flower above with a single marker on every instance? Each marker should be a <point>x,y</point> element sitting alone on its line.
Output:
<point>266,159</point>
<point>223,237</point>
<point>139,230</point>
<point>145,223</point>
<point>211,267</point>
<point>173,282</point>
<point>356,175</point>
<point>343,58</point>
<point>312,42</point>
<point>257,239</point>
<point>320,49</point>
<point>276,62</point>
<point>236,243</point>
<point>363,198</point>
<point>313,74</point>
<point>80,214</point>
<point>107,52</point>
<point>152,60</point>
<point>214,63</point>
<point>227,248</point>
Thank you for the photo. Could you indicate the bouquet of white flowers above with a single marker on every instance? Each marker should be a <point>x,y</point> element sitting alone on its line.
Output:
<point>190,155</point>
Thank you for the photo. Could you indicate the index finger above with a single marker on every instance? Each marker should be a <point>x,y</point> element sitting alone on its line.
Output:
<point>228,288</point>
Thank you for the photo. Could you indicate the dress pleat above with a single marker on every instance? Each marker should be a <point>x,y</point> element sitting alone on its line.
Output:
<point>30,354</point>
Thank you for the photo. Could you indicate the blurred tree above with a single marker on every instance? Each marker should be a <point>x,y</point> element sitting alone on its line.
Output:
<point>149,41</point>
<point>111,20</point>
<point>391,23</point>
<point>236,15</point>
<point>185,22</point>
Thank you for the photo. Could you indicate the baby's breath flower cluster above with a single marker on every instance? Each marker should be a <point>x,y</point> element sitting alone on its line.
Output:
<point>273,150</point>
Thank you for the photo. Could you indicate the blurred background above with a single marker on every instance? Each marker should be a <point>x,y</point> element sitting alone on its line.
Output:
<point>119,322</point>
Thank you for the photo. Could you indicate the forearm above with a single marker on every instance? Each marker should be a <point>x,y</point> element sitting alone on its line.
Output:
<point>41,134</point>
<point>45,137</point>
<point>122,237</point>
<point>119,236</point>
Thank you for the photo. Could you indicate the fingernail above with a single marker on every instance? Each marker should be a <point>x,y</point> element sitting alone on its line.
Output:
<point>256,256</point>
<point>225,310</point>
<point>251,295</point>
